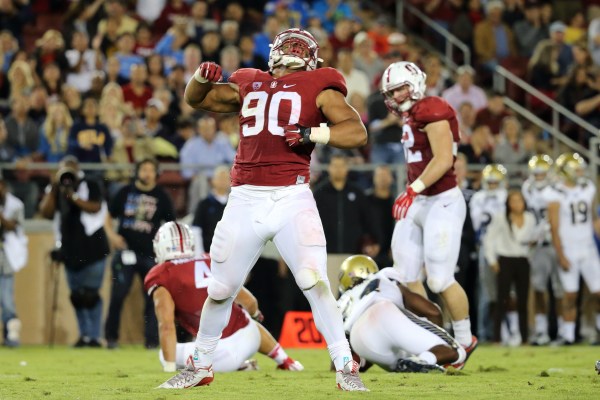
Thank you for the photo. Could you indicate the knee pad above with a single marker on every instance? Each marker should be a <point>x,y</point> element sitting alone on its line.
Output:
<point>219,291</point>
<point>85,298</point>
<point>438,285</point>
<point>307,278</point>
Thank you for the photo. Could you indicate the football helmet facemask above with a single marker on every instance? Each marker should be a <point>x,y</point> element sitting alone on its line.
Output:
<point>570,166</point>
<point>493,173</point>
<point>539,168</point>
<point>295,49</point>
<point>354,270</point>
<point>401,74</point>
<point>173,241</point>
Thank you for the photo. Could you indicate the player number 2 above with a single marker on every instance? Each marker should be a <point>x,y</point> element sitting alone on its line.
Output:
<point>201,274</point>
<point>255,105</point>
<point>408,140</point>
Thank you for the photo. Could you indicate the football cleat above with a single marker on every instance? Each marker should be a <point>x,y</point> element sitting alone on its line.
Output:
<point>560,341</point>
<point>290,365</point>
<point>347,378</point>
<point>189,377</point>
<point>415,364</point>
<point>468,349</point>
<point>541,339</point>
<point>598,367</point>
<point>249,365</point>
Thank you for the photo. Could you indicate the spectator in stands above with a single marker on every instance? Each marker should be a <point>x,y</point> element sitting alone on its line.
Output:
<point>151,125</point>
<point>589,107</point>
<point>77,204</point>
<point>200,22</point>
<point>234,11</point>
<point>192,57</point>
<point>438,77</point>
<point>149,10</point>
<point>357,81</point>
<point>8,48</point>
<point>593,33</point>
<point>38,100</point>
<point>494,114</point>
<point>576,28</point>
<point>230,33</point>
<point>385,132</point>
<point>514,11</point>
<point>347,221</point>
<point>113,70</point>
<point>572,91</point>
<point>506,246</point>
<point>543,72</point>
<point>52,80</point>
<point>156,71</point>
<point>209,210</point>
<point>366,59</point>
<point>116,10</point>
<point>20,78</point>
<point>248,56</point>
<point>184,132</point>
<point>83,16</point>
<point>141,208</point>
<point>465,90</point>
<point>127,58</point>
<point>342,36</point>
<point>478,150</point>
<point>169,116</point>
<point>530,30</point>
<point>171,46</point>
<point>144,42</point>
<point>72,98</point>
<point>83,61</point>
<point>229,60</point>
<point>137,92</point>
<point>493,40</point>
<point>23,134</point>
<point>381,199</point>
<point>210,45</point>
<point>510,148</point>
<point>54,133</point>
<point>50,48</point>
<point>466,120</point>
<point>13,257</point>
<point>107,42</point>
<point>113,108</point>
<point>208,150</point>
<point>174,12</point>
<point>331,11</point>
<point>14,15</point>
<point>565,53</point>
<point>98,81</point>
<point>442,13</point>
<point>263,39</point>
<point>90,140</point>
<point>7,152</point>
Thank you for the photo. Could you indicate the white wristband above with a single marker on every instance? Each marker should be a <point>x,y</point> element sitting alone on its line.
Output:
<point>169,366</point>
<point>418,186</point>
<point>199,78</point>
<point>320,134</point>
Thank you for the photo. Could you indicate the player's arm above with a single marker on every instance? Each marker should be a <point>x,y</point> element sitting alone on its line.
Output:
<point>164,307</point>
<point>553,219</point>
<point>204,93</point>
<point>247,300</point>
<point>421,306</point>
<point>346,130</point>
<point>440,139</point>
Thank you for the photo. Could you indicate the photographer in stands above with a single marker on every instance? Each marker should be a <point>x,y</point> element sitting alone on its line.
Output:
<point>76,204</point>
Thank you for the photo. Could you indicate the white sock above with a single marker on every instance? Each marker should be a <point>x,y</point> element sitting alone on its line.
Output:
<point>428,357</point>
<point>462,331</point>
<point>560,321</point>
<point>328,320</point>
<point>513,322</point>
<point>541,324</point>
<point>569,331</point>
<point>504,331</point>
<point>213,320</point>
<point>278,354</point>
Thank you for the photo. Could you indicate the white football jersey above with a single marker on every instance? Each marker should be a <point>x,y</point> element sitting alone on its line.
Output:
<point>575,224</point>
<point>484,205</point>
<point>537,202</point>
<point>380,286</point>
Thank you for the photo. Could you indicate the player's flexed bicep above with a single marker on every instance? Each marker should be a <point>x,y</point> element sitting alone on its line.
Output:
<point>346,129</point>
<point>204,93</point>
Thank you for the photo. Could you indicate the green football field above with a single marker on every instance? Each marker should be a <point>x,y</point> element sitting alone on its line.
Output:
<point>133,373</point>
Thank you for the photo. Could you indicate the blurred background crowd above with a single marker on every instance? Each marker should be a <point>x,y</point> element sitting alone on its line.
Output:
<point>103,81</point>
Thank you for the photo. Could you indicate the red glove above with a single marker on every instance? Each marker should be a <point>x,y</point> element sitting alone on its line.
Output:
<point>402,203</point>
<point>209,72</point>
<point>296,135</point>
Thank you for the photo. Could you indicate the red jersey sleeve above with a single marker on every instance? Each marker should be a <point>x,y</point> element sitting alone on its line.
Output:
<point>431,109</point>
<point>154,278</point>
<point>330,78</point>
<point>245,75</point>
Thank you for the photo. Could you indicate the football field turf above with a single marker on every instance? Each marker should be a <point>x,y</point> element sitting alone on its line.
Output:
<point>133,373</point>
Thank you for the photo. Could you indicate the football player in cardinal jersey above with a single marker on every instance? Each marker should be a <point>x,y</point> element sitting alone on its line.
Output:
<point>571,215</point>
<point>387,324</point>
<point>178,287</point>
<point>282,114</point>
<point>432,210</point>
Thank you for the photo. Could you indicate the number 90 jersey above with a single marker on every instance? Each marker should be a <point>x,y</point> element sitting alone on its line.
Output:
<point>267,105</point>
<point>417,148</point>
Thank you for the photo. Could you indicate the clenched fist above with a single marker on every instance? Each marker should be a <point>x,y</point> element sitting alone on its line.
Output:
<point>209,72</point>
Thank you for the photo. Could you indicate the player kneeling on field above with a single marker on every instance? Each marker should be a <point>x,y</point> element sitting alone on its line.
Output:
<point>178,286</point>
<point>389,325</point>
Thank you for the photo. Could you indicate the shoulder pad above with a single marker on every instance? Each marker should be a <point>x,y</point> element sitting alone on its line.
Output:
<point>431,109</point>
<point>329,78</point>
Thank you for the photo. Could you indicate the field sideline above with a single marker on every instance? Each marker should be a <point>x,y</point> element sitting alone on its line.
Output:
<point>133,373</point>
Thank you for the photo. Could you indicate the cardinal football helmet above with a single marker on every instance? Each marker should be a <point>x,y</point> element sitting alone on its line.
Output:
<point>354,270</point>
<point>401,74</point>
<point>570,166</point>
<point>493,173</point>
<point>539,168</point>
<point>173,241</point>
<point>295,49</point>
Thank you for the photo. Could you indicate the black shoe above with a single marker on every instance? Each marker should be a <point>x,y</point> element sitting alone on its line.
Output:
<point>151,346</point>
<point>82,342</point>
<point>416,365</point>
<point>112,344</point>
<point>95,344</point>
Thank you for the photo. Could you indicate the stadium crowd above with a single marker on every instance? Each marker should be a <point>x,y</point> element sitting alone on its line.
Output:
<point>104,83</point>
